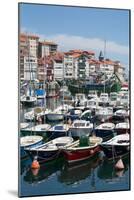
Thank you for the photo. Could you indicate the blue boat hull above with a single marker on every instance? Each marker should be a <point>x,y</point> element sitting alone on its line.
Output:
<point>104,134</point>
<point>43,156</point>
<point>23,152</point>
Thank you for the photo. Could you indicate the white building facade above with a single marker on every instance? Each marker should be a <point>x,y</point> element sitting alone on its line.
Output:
<point>30,68</point>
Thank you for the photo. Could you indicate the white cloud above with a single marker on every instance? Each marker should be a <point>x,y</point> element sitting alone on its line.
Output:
<point>67,42</point>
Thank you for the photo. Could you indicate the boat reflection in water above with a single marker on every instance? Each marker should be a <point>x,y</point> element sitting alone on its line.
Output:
<point>107,171</point>
<point>44,172</point>
<point>75,174</point>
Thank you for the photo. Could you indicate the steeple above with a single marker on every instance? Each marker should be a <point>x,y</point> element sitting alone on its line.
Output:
<point>101,57</point>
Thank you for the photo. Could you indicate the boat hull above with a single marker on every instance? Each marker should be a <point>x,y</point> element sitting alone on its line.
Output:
<point>105,134</point>
<point>72,156</point>
<point>114,151</point>
<point>122,130</point>
<point>43,156</point>
<point>23,153</point>
<point>55,134</point>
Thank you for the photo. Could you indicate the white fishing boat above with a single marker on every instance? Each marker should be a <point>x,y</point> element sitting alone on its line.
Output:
<point>92,94</point>
<point>122,112</point>
<point>81,127</point>
<point>117,146</point>
<point>80,99</point>
<point>59,113</point>
<point>123,98</point>
<point>122,127</point>
<point>49,150</point>
<point>104,99</point>
<point>28,100</point>
<point>35,113</point>
<point>103,113</point>
<point>113,98</point>
<point>92,103</point>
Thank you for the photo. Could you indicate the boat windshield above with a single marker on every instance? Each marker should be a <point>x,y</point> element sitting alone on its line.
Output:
<point>79,124</point>
<point>59,128</point>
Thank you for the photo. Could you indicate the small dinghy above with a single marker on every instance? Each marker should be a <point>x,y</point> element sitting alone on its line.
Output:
<point>117,146</point>
<point>82,149</point>
<point>29,141</point>
<point>49,150</point>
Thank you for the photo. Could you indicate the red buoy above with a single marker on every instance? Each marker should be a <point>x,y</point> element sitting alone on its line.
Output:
<point>35,164</point>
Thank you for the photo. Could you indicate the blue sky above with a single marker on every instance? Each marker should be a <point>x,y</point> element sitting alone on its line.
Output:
<point>81,28</point>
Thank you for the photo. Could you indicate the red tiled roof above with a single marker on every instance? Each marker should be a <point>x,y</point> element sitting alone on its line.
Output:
<point>24,35</point>
<point>58,56</point>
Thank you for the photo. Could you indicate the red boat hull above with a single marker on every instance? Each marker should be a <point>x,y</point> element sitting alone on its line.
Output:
<point>122,131</point>
<point>79,155</point>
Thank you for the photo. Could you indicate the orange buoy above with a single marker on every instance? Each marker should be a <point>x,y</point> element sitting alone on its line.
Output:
<point>35,164</point>
<point>119,165</point>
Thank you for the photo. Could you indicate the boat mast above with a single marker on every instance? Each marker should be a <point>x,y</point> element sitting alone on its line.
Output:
<point>104,64</point>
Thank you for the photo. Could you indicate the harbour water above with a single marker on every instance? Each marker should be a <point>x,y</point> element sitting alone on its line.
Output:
<point>57,177</point>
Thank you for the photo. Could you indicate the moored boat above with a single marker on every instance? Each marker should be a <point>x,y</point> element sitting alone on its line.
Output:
<point>28,100</point>
<point>122,113</point>
<point>36,113</point>
<point>81,127</point>
<point>122,127</point>
<point>103,113</point>
<point>113,99</point>
<point>117,146</point>
<point>58,130</point>
<point>59,113</point>
<point>105,130</point>
<point>104,99</point>
<point>49,150</point>
<point>73,114</point>
<point>39,129</point>
<point>28,142</point>
<point>82,149</point>
<point>23,125</point>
